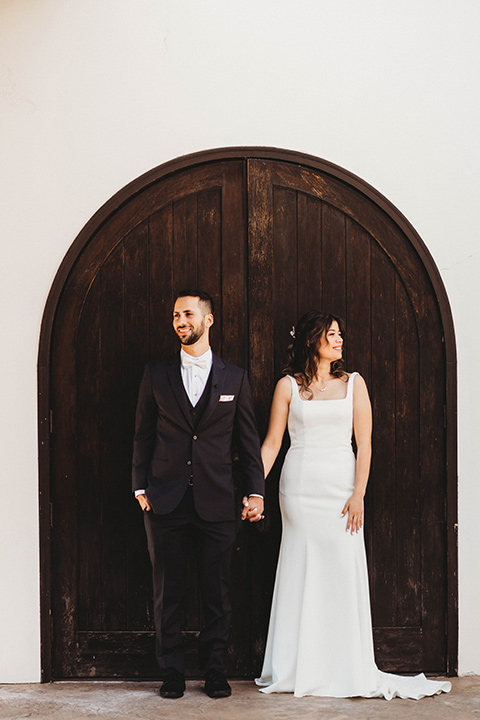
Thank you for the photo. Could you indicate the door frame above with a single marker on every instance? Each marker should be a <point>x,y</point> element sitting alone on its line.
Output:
<point>125,195</point>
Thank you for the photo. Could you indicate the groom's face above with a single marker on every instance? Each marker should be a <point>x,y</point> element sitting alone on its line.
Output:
<point>189,320</point>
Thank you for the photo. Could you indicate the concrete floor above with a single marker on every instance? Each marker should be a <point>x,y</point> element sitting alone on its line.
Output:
<point>140,701</point>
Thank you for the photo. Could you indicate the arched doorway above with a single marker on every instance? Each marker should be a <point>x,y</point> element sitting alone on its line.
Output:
<point>271,234</point>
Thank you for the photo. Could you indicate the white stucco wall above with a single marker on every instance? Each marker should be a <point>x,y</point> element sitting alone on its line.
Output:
<point>92,94</point>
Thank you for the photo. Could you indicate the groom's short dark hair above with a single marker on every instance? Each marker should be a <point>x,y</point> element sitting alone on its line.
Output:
<point>201,295</point>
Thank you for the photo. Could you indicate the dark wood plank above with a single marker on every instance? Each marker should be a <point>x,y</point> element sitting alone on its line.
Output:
<point>136,332</point>
<point>234,266</point>
<point>114,491</point>
<point>161,285</point>
<point>358,301</point>
<point>90,610</point>
<point>285,273</point>
<point>309,242</point>
<point>407,431</point>
<point>116,655</point>
<point>209,251</point>
<point>261,288</point>
<point>63,496</point>
<point>433,461</point>
<point>382,477</point>
<point>185,267</point>
<point>399,649</point>
<point>333,261</point>
<point>127,655</point>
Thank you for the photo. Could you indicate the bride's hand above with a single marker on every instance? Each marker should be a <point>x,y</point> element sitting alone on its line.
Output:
<point>252,508</point>
<point>354,508</point>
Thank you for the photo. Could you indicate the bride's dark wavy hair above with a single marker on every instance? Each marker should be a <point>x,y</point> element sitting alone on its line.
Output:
<point>303,353</point>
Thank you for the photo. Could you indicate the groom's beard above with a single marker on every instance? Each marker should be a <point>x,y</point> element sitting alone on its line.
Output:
<point>194,336</point>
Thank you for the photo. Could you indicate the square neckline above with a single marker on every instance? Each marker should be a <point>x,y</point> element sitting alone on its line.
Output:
<point>323,401</point>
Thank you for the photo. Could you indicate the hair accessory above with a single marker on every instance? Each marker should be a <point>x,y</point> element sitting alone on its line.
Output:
<point>292,331</point>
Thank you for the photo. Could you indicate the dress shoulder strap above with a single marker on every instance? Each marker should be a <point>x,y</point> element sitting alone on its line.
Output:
<point>350,384</point>
<point>294,385</point>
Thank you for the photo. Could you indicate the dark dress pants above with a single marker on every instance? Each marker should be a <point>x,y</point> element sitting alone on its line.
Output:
<point>169,537</point>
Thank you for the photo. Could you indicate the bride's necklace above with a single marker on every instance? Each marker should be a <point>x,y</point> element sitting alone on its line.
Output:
<point>322,389</point>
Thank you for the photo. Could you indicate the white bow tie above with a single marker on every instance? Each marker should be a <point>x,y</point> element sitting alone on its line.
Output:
<point>195,362</point>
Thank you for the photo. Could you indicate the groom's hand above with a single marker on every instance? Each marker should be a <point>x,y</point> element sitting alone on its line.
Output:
<point>252,509</point>
<point>144,502</point>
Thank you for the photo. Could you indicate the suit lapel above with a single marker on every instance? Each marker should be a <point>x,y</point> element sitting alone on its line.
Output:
<point>218,380</point>
<point>176,382</point>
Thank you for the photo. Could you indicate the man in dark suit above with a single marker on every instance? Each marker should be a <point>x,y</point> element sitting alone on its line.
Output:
<point>191,406</point>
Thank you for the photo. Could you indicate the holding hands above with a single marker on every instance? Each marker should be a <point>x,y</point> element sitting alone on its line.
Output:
<point>252,508</point>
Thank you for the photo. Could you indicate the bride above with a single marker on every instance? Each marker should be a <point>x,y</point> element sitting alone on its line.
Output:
<point>320,633</point>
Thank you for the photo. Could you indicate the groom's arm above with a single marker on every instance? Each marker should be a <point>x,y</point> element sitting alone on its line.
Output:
<point>144,439</point>
<point>248,442</point>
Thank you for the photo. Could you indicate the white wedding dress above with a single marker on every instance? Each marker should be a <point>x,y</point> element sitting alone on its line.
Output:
<point>320,634</point>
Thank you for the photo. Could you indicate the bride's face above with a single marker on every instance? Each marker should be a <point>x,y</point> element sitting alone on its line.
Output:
<point>331,343</point>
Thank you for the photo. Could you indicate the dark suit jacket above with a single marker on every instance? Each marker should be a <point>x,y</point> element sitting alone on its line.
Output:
<point>168,450</point>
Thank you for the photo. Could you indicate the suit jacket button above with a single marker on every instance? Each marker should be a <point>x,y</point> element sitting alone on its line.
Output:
<point>189,462</point>
<point>194,437</point>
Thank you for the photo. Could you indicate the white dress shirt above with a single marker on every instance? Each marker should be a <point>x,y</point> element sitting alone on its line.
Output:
<point>195,372</point>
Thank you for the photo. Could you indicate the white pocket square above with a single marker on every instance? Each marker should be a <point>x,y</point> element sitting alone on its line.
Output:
<point>226,398</point>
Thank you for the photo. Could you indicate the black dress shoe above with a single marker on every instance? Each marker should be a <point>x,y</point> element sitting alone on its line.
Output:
<point>173,685</point>
<point>216,685</point>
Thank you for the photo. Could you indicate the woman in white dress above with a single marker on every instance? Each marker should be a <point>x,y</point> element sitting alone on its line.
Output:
<point>320,634</point>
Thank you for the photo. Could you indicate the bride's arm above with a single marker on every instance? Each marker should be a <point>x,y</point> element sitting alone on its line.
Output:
<point>278,422</point>
<point>362,428</point>
<point>276,427</point>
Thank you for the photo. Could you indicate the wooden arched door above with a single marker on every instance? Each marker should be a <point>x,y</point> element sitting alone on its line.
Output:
<point>270,234</point>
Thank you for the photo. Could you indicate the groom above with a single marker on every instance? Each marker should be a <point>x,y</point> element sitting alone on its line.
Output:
<point>191,407</point>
